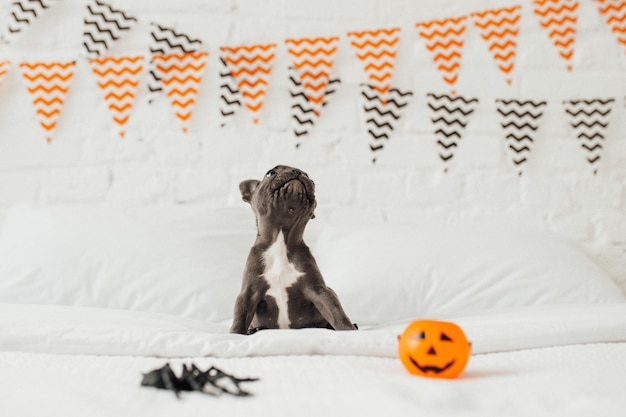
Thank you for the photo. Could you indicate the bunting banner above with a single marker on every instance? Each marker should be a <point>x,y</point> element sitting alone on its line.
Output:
<point>614,12</point>
<point>48,83</point>
<point>382,114</point>
<point>180,76</point>
<point>167,41</point>
<point>500,29</point>
<point>450,118</point>
<point>377,49</point>
<point>445,39</point>
<point>559,18</point>
<point>23,13</point>
<point>590,120</point>
<point>251,67</point>
<point>310,76</point>
<point>103,26</point>
<point>4,69</point>
<point>177,62</point>
<point>118,78</point>
<point>520,121</point>
<point>230,95</point>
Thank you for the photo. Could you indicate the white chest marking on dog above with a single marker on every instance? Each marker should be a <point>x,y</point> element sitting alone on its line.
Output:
<point>280,275</point>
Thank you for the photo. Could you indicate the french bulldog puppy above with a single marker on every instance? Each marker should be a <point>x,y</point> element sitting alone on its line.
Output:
<point>282,286</point>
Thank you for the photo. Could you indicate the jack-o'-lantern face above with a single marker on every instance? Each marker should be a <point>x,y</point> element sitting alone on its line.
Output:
<point>433,348</point>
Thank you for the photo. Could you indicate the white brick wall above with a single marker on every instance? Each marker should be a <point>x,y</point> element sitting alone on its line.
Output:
<point>156,163</point>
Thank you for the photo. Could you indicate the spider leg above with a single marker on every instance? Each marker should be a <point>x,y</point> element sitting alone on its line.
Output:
<point>169,379</point>
<point>194,377</point>
<point>231,384</point>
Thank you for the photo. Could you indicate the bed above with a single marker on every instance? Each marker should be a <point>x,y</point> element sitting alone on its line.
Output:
<point>92,298</point>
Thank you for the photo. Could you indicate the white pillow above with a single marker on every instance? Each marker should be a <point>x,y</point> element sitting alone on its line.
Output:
<point>185,261</point>
<point>383,274</point>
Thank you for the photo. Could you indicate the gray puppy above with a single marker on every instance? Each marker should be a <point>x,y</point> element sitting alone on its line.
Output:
<point>282,285</point>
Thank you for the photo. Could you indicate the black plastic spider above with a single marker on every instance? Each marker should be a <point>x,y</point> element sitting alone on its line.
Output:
<point>212,381</point>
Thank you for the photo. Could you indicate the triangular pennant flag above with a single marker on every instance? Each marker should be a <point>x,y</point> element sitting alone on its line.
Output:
<point>500,29</point>
<point>180,75</point>
<point>118,78</point>
<point>303,111</point>
<point>445,39</point>
<point>590,119</point>
<point>4,68</point>
<point>520,121</point>
<point>312,62</point>
<point>167,41</point>
<point>251,67</point>
<point>450,118</point>
<point>230,96</point>
<point>559,18</point>
<point>23,13</point>
<point>614,12</point>
<point>103,26</point>
<point>377,51</point>
<point>383,111</point>
<point>48,84</point>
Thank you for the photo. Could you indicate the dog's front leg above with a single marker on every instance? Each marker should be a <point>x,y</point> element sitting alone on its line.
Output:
<point>245,309</point>
<point>327,303</point>
<point>242,311</point>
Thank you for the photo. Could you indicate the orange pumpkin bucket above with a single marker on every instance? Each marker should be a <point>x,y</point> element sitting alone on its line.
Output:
<point>432,348</point>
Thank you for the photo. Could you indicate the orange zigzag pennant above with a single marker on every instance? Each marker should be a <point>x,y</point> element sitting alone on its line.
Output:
<point>444,39</point>
<point>251,67</point>
<point>500,29</point>
<point>614,12</point>
<point>180,76</point>
<point>377,51</point>
<point>313,60</point>
<point>4,68</point>
<point>48,83</point>
<point>559,18</point>
<point>118,78</point>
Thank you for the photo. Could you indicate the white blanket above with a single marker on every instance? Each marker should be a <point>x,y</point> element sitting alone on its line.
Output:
<point>76,330</point>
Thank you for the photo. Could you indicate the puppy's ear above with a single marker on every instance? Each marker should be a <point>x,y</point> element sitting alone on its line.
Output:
<point>247,188</point>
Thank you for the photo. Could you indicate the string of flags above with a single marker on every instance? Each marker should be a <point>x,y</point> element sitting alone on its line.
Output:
<point>177,62</point>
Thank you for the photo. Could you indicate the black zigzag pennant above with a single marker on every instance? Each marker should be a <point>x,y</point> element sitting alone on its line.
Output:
<point>23,13</point>
<point>303,112</point>
<point>230,95</point>
<point>382,112</point>
<point>103,26</point>
<point>590,119</point>
<point>450,118</point>
<point>520,121</point>
<point>167,41</point>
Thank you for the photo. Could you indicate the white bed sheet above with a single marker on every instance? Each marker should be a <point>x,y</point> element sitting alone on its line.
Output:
<point>566,381</point>
<point>73,361</point>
